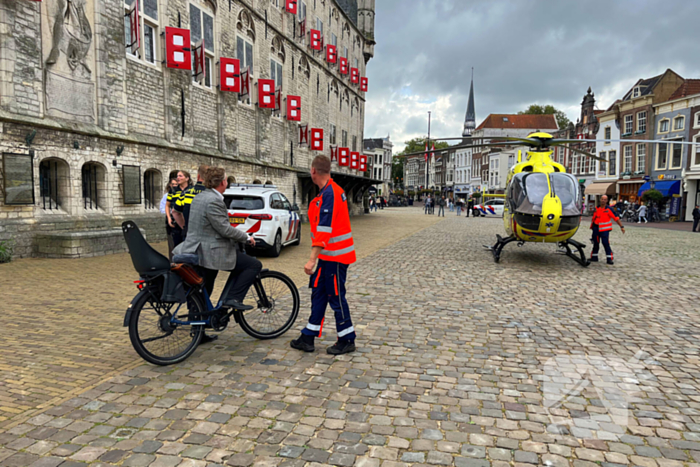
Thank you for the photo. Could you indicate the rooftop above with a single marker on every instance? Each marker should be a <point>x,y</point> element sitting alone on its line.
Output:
<point>534,122</point>
<point>688,88</point>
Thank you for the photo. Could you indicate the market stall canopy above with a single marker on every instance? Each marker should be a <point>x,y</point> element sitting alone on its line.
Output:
<point>666,187</point>
<point>601,188</point>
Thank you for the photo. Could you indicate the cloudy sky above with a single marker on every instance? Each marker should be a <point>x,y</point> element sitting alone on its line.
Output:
<point>523,52</point>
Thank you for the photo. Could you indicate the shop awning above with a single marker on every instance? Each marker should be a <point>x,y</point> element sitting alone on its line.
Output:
<point>601,188</point>
<point>666,187</point>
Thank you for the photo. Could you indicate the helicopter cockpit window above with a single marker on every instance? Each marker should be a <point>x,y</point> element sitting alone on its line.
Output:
<point>536,188</point>
<point>566,188</point>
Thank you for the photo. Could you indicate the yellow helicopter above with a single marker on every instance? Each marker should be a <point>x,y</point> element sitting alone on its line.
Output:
<point>542,201</point>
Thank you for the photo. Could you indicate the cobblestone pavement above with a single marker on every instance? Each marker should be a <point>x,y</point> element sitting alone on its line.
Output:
<point>461,361</point>
<point>62,318</point>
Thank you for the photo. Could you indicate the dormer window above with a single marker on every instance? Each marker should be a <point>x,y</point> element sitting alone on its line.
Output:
<point>505,119</point>
<point>637,91</point>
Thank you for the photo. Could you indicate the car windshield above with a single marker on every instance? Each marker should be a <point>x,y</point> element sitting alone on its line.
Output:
<point>244,202</point>
<point>566,188</point>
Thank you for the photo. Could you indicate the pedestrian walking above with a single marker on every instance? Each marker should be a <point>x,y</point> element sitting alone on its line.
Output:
<point>601,225</point>
<point>642,213</point>
<point>458,208</point>
<point>451,204</point>
<point>441,206</point>
<point>696,218</point>
<point>427,204</point>
<point>470,206</point>
<point>333,248</point>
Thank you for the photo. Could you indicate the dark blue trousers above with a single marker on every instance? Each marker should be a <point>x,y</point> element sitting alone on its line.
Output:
<point>599,237</point>
<point>328,288</point>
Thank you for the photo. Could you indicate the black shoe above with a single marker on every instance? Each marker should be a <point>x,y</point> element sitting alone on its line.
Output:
<point>301,344</point>
<point>236,305</point>
<point>341,347</point>
<point>594,260</point>
<point>610,262</point>
<point>207,339</point>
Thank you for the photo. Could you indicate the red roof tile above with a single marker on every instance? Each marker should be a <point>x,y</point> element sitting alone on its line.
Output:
<point>534,122</point>
<point>688,88</point>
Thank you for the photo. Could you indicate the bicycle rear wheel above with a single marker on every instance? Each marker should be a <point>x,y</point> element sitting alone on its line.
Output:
<point>276,302</point>
<point>155,338</point>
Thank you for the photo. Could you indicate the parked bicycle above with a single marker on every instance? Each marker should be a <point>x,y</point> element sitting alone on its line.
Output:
<point>168,316</point>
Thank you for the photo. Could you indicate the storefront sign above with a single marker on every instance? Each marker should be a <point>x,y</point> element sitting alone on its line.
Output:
<point>675,207</point>
<point>18,175</point>
<point>132,184</point>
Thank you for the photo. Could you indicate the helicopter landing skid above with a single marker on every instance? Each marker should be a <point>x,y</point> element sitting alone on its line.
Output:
<point>580,258</point>
<point>498,247</point>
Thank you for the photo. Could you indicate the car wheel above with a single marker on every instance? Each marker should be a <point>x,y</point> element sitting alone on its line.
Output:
<point>276,247</point>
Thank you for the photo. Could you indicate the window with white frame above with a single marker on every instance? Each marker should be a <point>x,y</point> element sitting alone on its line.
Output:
<point>244,53</point>
<point>663,125</point>
<point>276,72</point>
<point>627,167</point>
<point>696,150</point>
<point>601,164</point>
<point>641,157</point>
<point>345,52</point>
<point>332,135</point>
<point>357,63</point>
<point>676,155</point>
<point>334,40</point>
<point>636,92</point>
<point>148,30</point>
<point>697,120</point>
<point>202,27</point>
<point>629,124</point>
<point>641,122</point>
<point>607,134</point>
<point>319,25</point>
<point>344,135</point>
<point>612,165</point>
<point>678,123</point>
<point>661,156</point>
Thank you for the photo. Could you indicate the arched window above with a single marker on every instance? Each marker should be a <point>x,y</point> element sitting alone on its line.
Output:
<point>245,40</point>
<point>269,182</point>
<point>277,57</point>
<point>257,182</point>
<point>54,175</point>
<point>94,185</point>
<point>152,189</point>
<point>345,32</point>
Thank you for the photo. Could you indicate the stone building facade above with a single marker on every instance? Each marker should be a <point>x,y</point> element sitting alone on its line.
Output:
<point>91,127</point>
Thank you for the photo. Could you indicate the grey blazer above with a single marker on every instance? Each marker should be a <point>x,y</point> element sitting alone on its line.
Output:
<point>209,233</point>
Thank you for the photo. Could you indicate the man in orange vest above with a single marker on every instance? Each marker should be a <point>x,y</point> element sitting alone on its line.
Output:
<point>601,225</point>
<point>334,249</point>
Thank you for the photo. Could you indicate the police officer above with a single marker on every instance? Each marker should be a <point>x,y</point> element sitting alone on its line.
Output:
<point>332,245</point>
<point>184,201</point>
<point>601,225</point>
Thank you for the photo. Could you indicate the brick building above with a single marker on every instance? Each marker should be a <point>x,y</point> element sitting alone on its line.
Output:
<point>92,124</point>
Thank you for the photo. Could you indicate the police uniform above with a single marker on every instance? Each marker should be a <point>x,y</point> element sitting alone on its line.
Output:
<point>174,232</point>
<point>330,229</point>
<point>184,201</point>
<point>601,224</point>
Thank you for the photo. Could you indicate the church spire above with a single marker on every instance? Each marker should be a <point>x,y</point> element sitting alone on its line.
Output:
<point>470,118</point>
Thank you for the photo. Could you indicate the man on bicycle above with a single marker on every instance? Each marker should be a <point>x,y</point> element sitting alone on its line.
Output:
<point>212,238</point>
<point>332,245</point>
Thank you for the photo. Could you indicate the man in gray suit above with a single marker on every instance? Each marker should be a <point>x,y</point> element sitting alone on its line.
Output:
<point>211,237</point>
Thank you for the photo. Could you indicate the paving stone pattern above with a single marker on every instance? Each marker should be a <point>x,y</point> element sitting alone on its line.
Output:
<point>460,361</point>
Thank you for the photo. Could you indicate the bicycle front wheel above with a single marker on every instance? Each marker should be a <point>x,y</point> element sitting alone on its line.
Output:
<point>155,338</point>
<point>276,302</point>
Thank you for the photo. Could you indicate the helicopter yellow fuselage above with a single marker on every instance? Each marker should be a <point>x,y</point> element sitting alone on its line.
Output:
<point>548,229</point>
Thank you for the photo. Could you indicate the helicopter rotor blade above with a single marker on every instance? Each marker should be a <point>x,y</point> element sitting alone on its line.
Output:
<point>451,148</point>
<point>587,154</point>
<point>559,142</point>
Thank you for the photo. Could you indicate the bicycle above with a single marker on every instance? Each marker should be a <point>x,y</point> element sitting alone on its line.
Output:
<point>163,336</point>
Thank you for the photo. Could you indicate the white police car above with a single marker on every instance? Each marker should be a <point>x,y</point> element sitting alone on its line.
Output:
<point>264,212</point>
<point>491,208</point>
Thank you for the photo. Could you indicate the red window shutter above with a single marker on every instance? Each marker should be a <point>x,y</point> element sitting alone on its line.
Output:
<point>199,70</point>
<point>343,65</point>
<point>317,139</point>
<point>315,41</point>
<point>303,135</point>
<point>135,27</point>
<point>364,84</point>
<point>229,74</point>
<point>363,163</point>
<point>344,157</point>
<point>334,153</point>
<point>331,53</point>
<point>177,48</point>
<point>266,93</point>
<point>245,83</point>
<point>291,6</point>
<point>355,76</point>
<point>294,108</point>
<point>278,99</point>
<point>354,160</point>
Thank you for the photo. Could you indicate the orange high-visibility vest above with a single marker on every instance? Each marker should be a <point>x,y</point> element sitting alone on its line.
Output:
<point>330,225</point>
<point>603,217</point>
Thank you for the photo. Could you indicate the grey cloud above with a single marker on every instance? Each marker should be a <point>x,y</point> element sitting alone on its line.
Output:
<point>522,51</point>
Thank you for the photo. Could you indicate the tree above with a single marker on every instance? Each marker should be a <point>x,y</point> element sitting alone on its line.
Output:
<point>536,109</point>
<point>652,195</point>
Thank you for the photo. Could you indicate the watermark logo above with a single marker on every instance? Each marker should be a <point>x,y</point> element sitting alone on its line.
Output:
<point>591,395</point>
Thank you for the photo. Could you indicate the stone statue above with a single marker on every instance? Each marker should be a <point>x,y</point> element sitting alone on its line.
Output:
<point>72,35</point>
